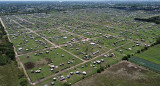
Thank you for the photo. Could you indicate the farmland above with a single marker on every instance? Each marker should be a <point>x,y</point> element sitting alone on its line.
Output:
<point>67,46</point>
<point>123,73</point>
<point>149,58</point>
<point>152,52</point>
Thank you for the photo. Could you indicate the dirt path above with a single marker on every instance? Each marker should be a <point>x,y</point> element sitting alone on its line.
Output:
<point>23,19</point>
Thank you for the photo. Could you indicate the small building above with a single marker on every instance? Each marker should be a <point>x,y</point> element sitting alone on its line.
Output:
<point>54,79</point>
<point>98,62</point>
<point>71,73</point>
<point>77,72</point>
<point>65,37</point>
<point>68,76</point>
<point>92,43</point>
<point>52,83</point>
<point>84,73</point>
<point>62,78</point>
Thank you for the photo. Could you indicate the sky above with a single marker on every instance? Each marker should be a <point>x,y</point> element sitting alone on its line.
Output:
<point>79,0</point>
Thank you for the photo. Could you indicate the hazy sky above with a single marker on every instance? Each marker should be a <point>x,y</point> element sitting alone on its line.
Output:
<point>79,0</point>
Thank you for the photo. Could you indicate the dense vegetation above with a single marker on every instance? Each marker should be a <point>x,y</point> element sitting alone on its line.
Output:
<point>6,48</point>
<point>155,19</point>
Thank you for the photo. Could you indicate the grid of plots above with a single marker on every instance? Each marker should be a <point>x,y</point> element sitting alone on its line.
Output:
<point>68,46</point>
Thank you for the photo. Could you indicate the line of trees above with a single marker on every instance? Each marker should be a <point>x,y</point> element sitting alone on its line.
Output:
<point>155,19</point>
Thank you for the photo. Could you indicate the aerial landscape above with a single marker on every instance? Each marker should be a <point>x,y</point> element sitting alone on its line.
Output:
<point>80,43</point>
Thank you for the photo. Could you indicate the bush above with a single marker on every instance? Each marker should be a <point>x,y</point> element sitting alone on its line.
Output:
<point>66,84</point>
<point>20,74</point>
<point>11,56</point>
<point>138,51</point>
<point>126,57</point>
<point>158,40</point>
<point>3,60</point>
<point>108,65</point>
<point>100,69</point>
<point>23,82</point>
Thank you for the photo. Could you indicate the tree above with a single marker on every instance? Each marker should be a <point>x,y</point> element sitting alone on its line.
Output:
<point>158,40</point>
<point>100,69</point>
<point>126,57</point>
<point>3,60</point>
<point>138,51</point>
<point>23,82</point>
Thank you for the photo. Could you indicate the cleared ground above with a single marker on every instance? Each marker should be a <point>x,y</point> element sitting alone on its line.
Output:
<point>122,74</point>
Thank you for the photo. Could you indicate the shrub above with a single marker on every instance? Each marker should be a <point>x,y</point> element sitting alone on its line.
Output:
<point>138,51</point>
<point>3,60</point>
<point>126,57</point>
<point>100,69</point>
<point>23,82</point>
<point>20,74</point>
<point>66,84</point>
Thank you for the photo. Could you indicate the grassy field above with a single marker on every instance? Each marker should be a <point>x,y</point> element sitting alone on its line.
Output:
<point>152,54</point>
<point>122,74</point>
<point>56,56</point>
<point>8,75</point>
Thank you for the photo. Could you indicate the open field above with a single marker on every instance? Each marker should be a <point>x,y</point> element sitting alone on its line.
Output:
<point>149,58</point>
<point>8,75</point>
<point>123,74</point>
<point>72,45</point>
<point>152,54</point>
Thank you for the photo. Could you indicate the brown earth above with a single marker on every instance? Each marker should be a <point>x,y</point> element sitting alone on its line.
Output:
<point>122,74</point>
<point>29,65</point>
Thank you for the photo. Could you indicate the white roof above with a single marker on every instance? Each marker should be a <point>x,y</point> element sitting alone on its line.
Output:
<point>65,37</point>
<point>92,43</point>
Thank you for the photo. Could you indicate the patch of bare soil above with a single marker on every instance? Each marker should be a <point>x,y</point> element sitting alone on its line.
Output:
<point>43,62</point>
<point>29,65</point>
<point>127,69</point>
<point>48,60</point>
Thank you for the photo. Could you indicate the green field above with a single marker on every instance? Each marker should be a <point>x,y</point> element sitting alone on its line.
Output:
<point>8,75</point>
<point>54,57</point>
<point>152,54</point>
